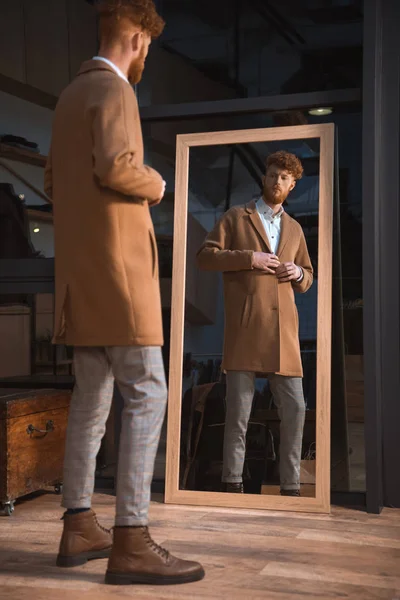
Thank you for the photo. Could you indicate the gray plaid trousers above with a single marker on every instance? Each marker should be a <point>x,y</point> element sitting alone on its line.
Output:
<point>289,399</point>
<point>139,374</point>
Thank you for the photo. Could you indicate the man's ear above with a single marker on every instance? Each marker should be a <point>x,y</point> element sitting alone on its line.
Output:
<point>137,41</point>
<point>293,185</point>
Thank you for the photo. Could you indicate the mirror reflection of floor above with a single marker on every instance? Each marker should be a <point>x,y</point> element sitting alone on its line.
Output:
<point>357,464</point>
<point>307,490</point>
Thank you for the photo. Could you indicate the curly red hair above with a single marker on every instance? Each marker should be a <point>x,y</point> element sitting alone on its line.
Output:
<point>286,161</point>
<point>141,13</point>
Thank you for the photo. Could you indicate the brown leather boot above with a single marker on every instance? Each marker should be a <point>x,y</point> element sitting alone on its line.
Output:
<point>83,539</point>
<point>232,488</point>
<point>294,493</point>
<point>136,558</point>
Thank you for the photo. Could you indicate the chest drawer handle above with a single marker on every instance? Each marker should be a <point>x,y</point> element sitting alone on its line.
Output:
<point>49,427</point>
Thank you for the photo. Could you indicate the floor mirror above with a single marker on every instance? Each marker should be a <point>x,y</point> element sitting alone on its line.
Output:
<point>251,314</point>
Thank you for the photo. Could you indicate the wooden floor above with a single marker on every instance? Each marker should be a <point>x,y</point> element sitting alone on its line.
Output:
<point>246,554</point>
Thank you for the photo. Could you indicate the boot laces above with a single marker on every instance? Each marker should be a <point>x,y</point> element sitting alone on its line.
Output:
<point>154,546</point>
<point>101,526</point>
<point>96,521</point>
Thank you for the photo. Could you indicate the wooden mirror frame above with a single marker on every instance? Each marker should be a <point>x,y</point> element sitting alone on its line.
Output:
<point>174,495</point>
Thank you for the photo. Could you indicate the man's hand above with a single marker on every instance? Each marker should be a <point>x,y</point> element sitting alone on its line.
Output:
<point>265,262</point>
<point>288,272</point>
<point>164,184</point>
<point>161,196</point>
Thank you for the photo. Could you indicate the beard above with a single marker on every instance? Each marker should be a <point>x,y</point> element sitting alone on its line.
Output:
<point>136,69</point>
<point>275,197</point>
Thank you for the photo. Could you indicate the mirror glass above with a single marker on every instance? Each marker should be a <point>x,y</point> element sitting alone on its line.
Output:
<point>248,420</point>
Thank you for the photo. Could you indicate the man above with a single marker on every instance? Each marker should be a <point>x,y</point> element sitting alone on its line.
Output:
<point>263,255</point>
<point>107,297</point>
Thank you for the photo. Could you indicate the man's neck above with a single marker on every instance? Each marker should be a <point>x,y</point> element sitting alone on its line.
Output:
<point>274,207</point>
<point>116,58</point>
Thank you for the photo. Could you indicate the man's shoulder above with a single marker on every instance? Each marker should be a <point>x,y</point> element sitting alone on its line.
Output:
<point>231,217</point>
<point>235,212</point>
<point>100,84</point>
<point>295,224</point>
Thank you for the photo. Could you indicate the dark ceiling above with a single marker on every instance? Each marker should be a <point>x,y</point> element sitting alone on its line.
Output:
<point>261,47</point>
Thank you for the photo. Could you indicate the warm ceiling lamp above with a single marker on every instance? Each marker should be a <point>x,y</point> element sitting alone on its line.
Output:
<point>321,112</point>
<point>36,230</point>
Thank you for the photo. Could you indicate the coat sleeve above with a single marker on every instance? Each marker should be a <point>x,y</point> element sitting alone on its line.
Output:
<point>303,260</point>
<point>115,147</point>
<point>216,255</point>
<point>48,177</point>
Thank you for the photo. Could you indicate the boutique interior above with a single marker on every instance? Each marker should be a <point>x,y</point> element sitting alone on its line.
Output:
<point>211,148</point>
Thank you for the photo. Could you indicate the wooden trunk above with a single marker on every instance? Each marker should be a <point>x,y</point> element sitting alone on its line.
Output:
<point>33,426</point>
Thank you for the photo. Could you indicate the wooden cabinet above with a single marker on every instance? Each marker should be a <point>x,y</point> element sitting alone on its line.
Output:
<point>33,427</point>
<point>355,388</point>
<point>15,360</point>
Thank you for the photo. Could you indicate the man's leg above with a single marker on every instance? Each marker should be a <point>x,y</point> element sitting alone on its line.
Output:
<point>239,400</point>
<point>135,557</point>
<point>289,399</point>
<point>139,372</point>
<point>89,410</point>
<point>83,538</point>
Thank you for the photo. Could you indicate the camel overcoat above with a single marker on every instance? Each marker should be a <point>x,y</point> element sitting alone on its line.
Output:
<point>106,264</point>
<point>261,319</point>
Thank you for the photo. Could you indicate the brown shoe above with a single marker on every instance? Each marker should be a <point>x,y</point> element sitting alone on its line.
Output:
<point>136,558</point>
<point>293,493</point>
<point>232,488</point>
<point>83,539</point>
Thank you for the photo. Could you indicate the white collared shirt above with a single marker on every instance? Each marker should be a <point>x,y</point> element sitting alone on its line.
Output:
<point>272,224</point>
<point>111,64</point>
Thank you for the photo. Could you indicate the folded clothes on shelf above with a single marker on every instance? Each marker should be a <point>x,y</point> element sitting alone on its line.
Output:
<point>19,142</point>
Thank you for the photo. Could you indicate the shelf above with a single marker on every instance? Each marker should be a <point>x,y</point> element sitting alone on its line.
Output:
<point>24,156</point>
<point>39,215</point>
<point>27,92</point>
<point>50,363</point>
<point>38,381</point>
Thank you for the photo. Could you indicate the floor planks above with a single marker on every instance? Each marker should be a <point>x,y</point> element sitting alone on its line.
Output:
<point>246,554</point>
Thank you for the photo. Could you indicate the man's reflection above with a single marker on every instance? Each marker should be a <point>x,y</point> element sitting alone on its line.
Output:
<point>263,255</point>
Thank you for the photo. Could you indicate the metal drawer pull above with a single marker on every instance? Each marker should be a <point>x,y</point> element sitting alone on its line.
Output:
<point>49,427</point>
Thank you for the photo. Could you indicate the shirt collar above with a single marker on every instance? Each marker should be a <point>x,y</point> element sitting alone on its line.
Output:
<point>113,66</point>
<point>266,210</point>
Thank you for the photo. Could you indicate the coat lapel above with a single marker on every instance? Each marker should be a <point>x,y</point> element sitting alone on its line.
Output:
<point>257,223</point>
<point>286,227</point>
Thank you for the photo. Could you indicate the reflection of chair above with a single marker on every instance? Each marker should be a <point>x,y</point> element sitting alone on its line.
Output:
<point>309,360</point>
<point>203,422</point>
<point>193,423</point>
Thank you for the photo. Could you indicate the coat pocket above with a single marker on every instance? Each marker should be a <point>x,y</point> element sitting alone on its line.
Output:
<point>246,312</point>
<point>154,254</point>
<point>296,315</point>
<point>60,323</point>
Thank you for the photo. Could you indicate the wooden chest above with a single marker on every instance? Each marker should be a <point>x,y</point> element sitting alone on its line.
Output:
<point>33,426</point>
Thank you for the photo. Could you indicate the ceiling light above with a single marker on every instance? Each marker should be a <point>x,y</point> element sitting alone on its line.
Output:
<point>36,230</point>
<point>320,112</point>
